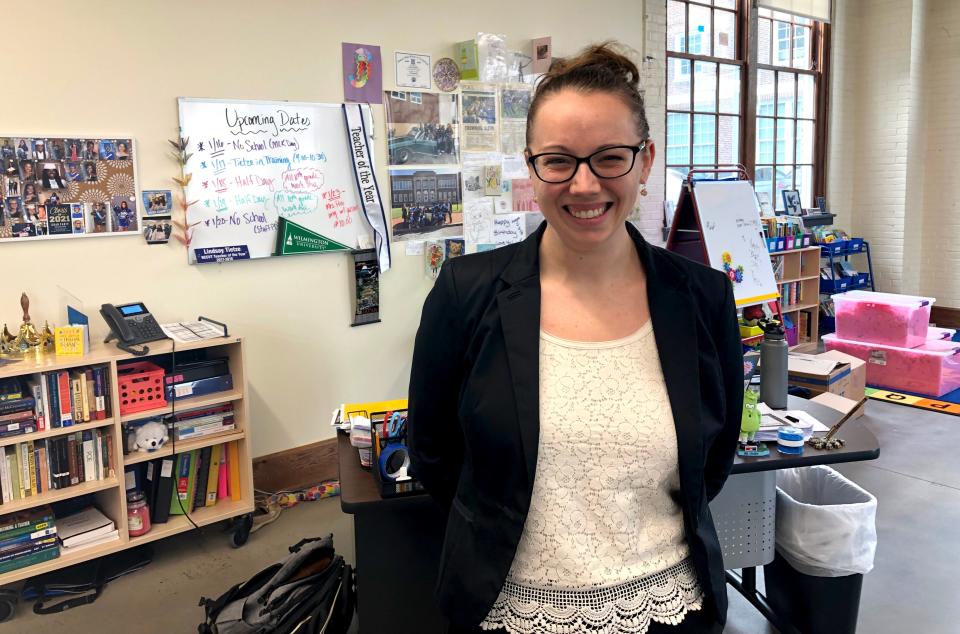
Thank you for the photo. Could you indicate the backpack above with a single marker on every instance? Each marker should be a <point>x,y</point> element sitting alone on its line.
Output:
<point>311,591</point>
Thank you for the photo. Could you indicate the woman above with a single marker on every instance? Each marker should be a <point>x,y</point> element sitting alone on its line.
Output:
<point>30,193</point>
<point>575,398</point>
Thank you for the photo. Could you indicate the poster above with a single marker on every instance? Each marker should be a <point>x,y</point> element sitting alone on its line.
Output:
<point>425,203</point>
<point>55,186</point>
<point>514,105</point>
<point>413,70</point>
<point>542,54</point>
<point>362,73</point>
<point>422,128</point>
<point>479,118</point>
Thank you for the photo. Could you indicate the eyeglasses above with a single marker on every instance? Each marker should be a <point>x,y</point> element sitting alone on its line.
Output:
<point>610,162</point>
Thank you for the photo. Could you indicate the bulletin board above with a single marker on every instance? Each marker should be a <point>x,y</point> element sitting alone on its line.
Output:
<point>67,187</point>
<point>254,163</point>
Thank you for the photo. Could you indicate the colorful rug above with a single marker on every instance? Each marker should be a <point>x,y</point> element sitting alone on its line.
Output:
<point>948,403</point>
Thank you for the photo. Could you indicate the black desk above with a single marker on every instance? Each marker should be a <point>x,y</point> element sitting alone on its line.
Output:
<point>398,540</point>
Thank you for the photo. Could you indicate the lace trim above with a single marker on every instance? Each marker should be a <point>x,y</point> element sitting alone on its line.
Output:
<point>665,597</point>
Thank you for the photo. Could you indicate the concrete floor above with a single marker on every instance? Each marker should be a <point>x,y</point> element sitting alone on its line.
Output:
<point>911,589</point>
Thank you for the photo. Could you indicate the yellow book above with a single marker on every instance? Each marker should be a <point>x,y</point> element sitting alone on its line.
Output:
<point>32,467</point>
<point>85,392</point>
<point>68,340</point>
<point>234,461</point>
<point>76,397</point>
<point>214,477</point>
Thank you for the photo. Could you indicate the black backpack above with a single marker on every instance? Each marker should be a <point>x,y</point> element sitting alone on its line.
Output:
<point>311,591</point>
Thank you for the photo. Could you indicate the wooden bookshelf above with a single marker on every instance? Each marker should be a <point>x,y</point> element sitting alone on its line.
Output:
<point>802,267</point>
<point>110,493</point>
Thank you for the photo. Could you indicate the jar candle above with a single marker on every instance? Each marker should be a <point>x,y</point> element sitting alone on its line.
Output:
<point>138,514</point>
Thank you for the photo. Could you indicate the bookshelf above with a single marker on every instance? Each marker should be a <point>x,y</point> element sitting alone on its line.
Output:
<point>800,268</point>
<point>110,493</point>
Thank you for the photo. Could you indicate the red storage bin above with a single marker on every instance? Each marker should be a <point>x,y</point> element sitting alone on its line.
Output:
<point>140,386</point>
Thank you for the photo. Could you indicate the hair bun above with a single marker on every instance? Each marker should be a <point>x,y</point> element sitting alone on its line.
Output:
<point>606,57</point>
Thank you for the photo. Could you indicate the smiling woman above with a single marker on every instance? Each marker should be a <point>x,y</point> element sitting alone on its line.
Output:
<point>544,351</point>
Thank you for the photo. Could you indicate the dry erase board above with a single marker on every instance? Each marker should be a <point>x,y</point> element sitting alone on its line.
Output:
<point>730,221</point>
<point>254,162</point>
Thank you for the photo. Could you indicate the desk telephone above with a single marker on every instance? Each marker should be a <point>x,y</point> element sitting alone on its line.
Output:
<point>130,325</point>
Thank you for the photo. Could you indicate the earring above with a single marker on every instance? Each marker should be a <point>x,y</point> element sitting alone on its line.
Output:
<point>643,189</point>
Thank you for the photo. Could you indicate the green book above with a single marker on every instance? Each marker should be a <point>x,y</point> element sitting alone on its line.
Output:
<point>30,560</point>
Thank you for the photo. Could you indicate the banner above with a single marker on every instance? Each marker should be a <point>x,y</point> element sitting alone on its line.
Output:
<point>355,116</point>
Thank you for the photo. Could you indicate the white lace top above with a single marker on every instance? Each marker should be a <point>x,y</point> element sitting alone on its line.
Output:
<point>603,546</point>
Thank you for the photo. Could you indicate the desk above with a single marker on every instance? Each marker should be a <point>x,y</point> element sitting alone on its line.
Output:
<point>398,540</point>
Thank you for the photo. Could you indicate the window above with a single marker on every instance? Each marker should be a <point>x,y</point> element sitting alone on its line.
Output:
<point>709,66</point>
<point>416,97</point>
<point>398,95</point>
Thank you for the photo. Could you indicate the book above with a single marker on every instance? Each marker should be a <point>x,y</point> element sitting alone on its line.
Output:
<point>37,474</point>
<point>11,389</point>
<point>94,541</point>
<point>25,538</point>
<point>12,406</point>
<point>16,487</point>
<point>63,396</point>
<point>19,520</point>
<point>98,453</point>
<point>26,461</point>
<point>4,479</point>
<point>108,464</point>
<point>100,405</point>
<point>89,457</point>
<point>76,397</point>
<point>89,406</point>
<point>162,490</point>
<point>73,470</point>
<point>30,560</point>
<point>234,450</point>
<point>223,484</point>
<point>44,464</point>
<point>78,449</point>
<point>186,479</point>
<point>36,391</point>
<point>27,548</point>
<point>203,474</point>
<point>83,526</point>
<point>53,394</point>
<point>214,477</point>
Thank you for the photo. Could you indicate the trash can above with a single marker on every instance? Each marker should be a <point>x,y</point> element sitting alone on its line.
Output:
<point>826,537</point>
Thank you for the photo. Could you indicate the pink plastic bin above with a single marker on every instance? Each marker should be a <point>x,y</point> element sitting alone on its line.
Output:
<point>892,320</point>
<point>932,369</point>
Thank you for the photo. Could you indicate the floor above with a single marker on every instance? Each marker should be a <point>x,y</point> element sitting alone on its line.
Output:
<point>911,589</point>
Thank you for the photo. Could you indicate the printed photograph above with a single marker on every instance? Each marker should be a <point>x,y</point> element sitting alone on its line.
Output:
<point>28,170</point>
<point>157,202</point>
<point>90,171</point>
<point>422,128</point>
<point>77,219</point>
<point>425,202</point>
<point>107,150</point>
<point>24,149</point>
<point>454,247</point>
<point>11,168</point>
<point>40,149</point>
<point>37,216</point>
<point>49,197</point>
<point>6,148</point>
<point>157,231</point>
<point>514,104</point>
<point>97,217</point>
<point>124,216</point>
<point>13,209</point>
<point>479,108</point>
<point>51,175</point>
<point>59,220</point>
<point>74,149</point>
<point>91,150</point>
<point>74,173</point>
<point>11,187</point>
<point>56,149</point>
<point>124,150</point>
<point>29,193</point>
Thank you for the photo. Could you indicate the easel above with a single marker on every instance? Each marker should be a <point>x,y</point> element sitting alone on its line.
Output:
<point>687,231</point>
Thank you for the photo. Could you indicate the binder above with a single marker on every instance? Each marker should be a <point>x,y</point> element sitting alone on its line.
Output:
<point>162,489</point>
<point>203,473</point>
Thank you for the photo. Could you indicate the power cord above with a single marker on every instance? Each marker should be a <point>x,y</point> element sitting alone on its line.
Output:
<point>173,435</point>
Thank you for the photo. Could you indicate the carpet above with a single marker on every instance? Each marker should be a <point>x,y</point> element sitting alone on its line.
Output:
<point>948,403</point>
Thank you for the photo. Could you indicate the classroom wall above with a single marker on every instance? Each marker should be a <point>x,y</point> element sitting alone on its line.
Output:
<point>117,71</point>
<point>895,139</point>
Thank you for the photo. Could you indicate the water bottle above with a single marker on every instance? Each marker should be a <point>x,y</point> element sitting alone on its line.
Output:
<point>773,366</point>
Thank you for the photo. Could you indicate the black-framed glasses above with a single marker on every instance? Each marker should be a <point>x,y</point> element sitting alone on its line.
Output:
<point>610,162</point>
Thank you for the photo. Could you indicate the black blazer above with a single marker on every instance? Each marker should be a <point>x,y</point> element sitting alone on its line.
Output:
<point>474,407</point>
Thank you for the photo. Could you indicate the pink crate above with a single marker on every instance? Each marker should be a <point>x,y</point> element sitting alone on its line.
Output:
<point>932,369</point>
<point>141,387</point>
<point>900,321</point>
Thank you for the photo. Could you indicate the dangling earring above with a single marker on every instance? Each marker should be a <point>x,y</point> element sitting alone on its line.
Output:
<point>643,189</point>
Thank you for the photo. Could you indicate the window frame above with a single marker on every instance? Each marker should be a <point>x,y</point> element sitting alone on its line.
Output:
<point>747,58</point>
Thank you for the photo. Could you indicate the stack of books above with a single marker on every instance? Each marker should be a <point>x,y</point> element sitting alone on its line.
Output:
<point>197,423</point>
<point>71,397</point>
<point>34,467</point>
<point>27,538</point>
<point>88,528</point>
<point>17,409</point>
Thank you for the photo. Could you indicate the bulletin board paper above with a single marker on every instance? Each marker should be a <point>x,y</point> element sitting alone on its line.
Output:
<point>254,162</point>
<point>730,219</point>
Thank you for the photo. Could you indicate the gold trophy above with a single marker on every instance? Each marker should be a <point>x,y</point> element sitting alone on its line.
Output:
<point>28,338</point>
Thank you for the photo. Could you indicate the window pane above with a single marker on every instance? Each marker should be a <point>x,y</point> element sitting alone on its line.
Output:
<point>725,42</point>
<point>802,47</point>
<point>763,181</point>
<point>678,84</point>
<point>729,88</point>
<point>698,31</point>
<point>806,100</point>
<point>765,88</point>
<point>704,86</point>
<point>675,176</point>
<point>805,185</point>
<point>676,27</point>
<point>785,97</point>
<point>704,139</point>
<point>678,138</point>
<point>765,13</point>
<point>764,140</point>
<point>727,4</point>
<point>763,44</point>
<point>781,43</point>
<point>784,140</point>
<point>784,182</point>
<point>805,21</point>
<point>805,142</point>
<point>728,150</point>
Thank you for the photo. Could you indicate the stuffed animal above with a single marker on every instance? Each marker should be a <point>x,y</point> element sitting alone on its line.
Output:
<point>150,436</point>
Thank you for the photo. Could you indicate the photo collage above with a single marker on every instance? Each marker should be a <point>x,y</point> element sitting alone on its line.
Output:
<point>67,187</point>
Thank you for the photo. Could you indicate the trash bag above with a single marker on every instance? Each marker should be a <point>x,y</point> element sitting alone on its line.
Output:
<point>826,524</point>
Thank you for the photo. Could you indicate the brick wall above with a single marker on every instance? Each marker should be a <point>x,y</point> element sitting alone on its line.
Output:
<point>653,71</point>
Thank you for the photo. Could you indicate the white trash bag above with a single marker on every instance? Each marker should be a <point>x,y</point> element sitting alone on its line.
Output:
<point>826,524</point>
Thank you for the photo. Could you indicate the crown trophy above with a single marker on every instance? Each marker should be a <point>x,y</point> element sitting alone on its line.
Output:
<point>28,338</point>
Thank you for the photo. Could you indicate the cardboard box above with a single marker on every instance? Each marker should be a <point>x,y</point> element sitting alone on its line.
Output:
<point>839,403</point>
<point>833,372</point>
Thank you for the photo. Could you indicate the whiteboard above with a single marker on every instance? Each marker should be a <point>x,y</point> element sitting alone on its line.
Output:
<point>730,221</point>
<point>254,162</point>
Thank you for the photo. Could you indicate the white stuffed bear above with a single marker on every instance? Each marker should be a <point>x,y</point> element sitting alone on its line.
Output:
<point>150,436</point>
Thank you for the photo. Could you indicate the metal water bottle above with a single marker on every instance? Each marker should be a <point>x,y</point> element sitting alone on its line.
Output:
<point>773,366</point>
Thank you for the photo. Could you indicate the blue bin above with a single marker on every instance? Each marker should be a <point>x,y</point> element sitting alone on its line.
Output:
<point>855,246</point>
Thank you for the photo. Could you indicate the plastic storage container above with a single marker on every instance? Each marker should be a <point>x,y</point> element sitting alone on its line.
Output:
<point>932,369</point>
<point>884,318</point>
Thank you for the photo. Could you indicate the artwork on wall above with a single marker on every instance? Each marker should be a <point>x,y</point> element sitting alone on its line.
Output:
<point>54,187</point>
